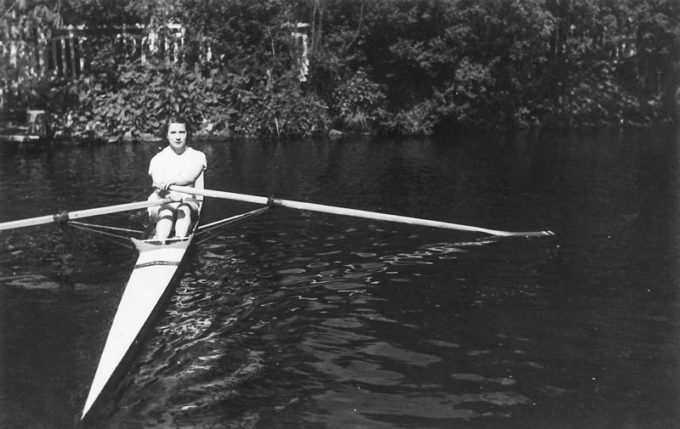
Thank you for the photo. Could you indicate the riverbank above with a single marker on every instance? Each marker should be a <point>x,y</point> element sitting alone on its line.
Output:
<point>97,136</point>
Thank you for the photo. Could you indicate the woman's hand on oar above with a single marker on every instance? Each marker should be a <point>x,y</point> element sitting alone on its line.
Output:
<point>353,212</point>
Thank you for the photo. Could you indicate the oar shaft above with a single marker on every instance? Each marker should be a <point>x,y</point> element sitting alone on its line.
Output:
<point>351,212</point>
<point>65,216</point>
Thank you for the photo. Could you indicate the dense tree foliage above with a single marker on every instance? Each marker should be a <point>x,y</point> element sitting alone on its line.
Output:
<point>393,66</point>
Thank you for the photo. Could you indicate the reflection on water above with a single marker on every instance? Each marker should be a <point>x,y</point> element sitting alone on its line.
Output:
<point>309,320</point>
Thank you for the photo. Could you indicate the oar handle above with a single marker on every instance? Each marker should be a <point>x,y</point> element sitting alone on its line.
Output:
<point>352,212</point>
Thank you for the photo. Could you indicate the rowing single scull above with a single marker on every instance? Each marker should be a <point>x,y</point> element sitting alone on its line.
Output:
<point>157,264</point>
<point>152,277</point>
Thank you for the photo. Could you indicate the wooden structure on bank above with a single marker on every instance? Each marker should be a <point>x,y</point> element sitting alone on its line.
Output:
<point>31,54</point>
<point>24,126</point>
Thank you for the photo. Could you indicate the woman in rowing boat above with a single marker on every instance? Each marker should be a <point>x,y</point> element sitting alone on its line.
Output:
<point>176,164</point>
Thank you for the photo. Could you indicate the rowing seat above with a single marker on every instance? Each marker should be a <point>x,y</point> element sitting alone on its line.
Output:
<point>153,244</point>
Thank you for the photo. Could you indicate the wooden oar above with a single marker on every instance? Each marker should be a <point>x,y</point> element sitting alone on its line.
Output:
<point>352,212</point>
<point>65,216</point>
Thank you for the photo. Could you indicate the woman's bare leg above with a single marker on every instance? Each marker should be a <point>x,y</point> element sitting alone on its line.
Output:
<point>183,221</point>
<point>164,224</point>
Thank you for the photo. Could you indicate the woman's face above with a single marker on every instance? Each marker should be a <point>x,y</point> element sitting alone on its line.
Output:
<point>177,136</point>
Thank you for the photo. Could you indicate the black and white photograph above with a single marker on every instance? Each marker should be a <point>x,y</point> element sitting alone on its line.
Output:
<point>330,214</point>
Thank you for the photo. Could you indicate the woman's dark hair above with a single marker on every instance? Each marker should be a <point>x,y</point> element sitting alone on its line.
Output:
<point>177,120</point>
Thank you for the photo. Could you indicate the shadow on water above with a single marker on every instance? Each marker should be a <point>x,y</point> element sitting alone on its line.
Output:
<point>308,320</point>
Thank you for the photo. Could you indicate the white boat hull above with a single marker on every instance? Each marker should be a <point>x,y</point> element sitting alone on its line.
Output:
<point>153,274</point>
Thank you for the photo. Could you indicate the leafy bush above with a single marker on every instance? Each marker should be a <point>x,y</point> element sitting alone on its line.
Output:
<point>139,100</point>
<point>279,109</point>
<point>357,102</point>
<point>418,120</point>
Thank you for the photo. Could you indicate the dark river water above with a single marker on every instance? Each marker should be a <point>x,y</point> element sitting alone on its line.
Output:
<point>298,319</point>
